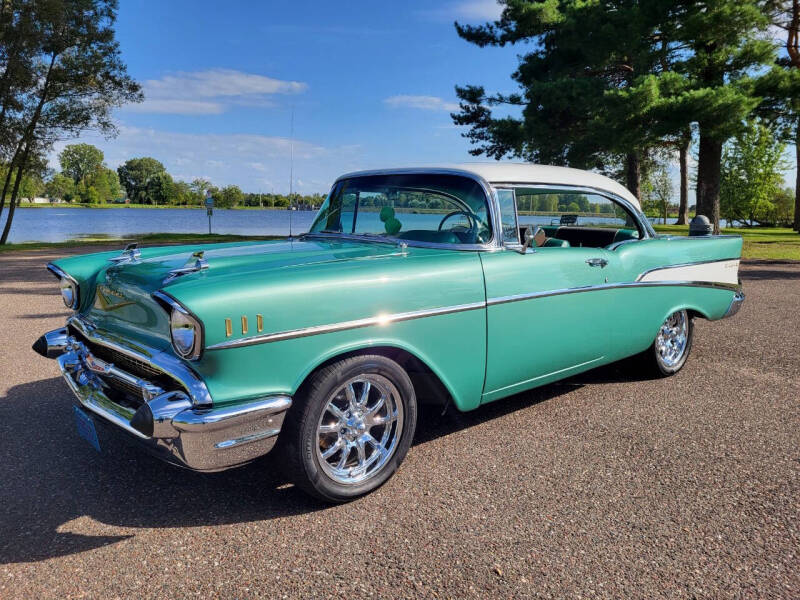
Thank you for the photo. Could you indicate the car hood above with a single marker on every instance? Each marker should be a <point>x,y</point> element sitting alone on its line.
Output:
<point>151,273</point>
<point>122,299</point>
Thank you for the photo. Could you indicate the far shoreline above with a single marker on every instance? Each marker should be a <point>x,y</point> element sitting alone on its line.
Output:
<point>152,206</point>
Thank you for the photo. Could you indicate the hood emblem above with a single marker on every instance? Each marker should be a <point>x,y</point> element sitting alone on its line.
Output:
<point>109,299</point>
<point>130,254</point>
<point>195,263</point>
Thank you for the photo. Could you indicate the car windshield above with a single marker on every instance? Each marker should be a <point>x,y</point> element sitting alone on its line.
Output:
<point>430,208</point>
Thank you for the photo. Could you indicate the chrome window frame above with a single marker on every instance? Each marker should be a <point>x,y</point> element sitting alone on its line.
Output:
<point>508,244</point>
<point>490,191</point>
<point>493,244</point>
<point>639,217</point>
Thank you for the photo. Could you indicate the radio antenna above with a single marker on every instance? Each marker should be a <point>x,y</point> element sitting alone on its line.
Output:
<point>291,171</point>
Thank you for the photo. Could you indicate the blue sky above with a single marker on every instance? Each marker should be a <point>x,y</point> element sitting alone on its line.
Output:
<point>371,86</point>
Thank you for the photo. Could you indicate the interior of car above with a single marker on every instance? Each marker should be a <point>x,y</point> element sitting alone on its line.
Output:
<point>560,236</point>
<point>573,219</point>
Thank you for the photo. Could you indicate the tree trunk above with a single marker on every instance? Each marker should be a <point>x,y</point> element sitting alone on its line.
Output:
<point>6,183</point>
<point>633,173</point>
<point>11,165</point>
<point>708,177</point>
<point>797,179</point>
<point>12,205</point>
<point>27,140</point>
<point>683,207</point>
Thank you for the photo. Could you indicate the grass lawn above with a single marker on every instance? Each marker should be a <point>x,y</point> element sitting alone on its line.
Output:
<point>771,243</point>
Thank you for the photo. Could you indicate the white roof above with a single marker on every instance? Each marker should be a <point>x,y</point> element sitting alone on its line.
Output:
<point>529,173</point>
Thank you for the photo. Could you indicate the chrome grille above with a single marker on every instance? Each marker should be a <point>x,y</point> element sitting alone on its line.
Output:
<point>125,362</point>
<point>129,364</point>
<point>125,388</point>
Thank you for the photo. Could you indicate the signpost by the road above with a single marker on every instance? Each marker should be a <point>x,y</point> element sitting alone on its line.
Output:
<point>209,208</point>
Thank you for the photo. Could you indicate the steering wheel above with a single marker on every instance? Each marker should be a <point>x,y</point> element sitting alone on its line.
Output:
<point>473,221</point>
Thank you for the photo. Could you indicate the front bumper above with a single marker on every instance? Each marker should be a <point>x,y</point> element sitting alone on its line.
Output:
<point>168,422</point>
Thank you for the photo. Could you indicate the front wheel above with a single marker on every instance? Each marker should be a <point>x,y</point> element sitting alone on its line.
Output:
<point>351,427</point>
<point>669,351</point>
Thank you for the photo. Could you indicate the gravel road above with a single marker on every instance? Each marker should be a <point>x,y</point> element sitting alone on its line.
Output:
<point>603,485</point>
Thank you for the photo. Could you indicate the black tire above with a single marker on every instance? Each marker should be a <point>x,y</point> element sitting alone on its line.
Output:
<point>653,360</point>
<point>299,444</point>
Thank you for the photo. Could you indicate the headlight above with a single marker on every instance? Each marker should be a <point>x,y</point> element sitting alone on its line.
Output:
<point>185,334</point>
<point>69,293</point>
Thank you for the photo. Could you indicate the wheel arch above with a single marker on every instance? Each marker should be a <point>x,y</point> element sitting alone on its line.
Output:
<point>693,309</point>
<point>430,384</point>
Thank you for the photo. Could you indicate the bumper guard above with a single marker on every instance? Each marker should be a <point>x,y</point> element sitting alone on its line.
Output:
<point>168,423</point>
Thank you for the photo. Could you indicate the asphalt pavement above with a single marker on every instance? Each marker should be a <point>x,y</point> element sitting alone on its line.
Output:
<point>604,485</point>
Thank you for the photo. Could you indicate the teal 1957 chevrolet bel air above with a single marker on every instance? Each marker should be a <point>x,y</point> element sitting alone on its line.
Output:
<point>411,285</point>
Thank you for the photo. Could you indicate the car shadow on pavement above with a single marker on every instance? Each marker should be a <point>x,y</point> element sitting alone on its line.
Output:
<point>50,477</point>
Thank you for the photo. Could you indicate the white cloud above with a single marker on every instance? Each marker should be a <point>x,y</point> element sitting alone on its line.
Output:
<point>478,10</point>
<point>420,102</point>
<point>250,161</point>
<point>466,10</point>
<point>177,107</point>
<point>210,92</point>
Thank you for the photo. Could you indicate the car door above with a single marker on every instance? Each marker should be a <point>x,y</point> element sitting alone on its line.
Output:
<point>545,319</point>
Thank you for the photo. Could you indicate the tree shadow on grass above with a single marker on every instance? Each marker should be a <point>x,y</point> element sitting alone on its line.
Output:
<point>760,270</point>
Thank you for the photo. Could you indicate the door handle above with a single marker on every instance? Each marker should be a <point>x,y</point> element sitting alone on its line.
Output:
<point>597,262</point>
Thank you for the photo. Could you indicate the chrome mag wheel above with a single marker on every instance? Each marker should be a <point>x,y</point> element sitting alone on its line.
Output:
<point>672,341</point>
<point>359,429</point>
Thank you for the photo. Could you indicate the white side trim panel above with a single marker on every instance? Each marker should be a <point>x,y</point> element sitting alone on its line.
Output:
<point>725,271</point>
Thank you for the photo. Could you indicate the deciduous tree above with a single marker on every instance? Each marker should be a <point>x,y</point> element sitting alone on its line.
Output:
<point>752,176</point>
<point>77,77</point>
<point>60,187</point>
<point>230,197</point>
<point>79,161</point>
<point>135,174</point>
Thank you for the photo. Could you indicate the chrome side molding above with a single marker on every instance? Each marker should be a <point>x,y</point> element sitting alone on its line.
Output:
<point>445,310</point>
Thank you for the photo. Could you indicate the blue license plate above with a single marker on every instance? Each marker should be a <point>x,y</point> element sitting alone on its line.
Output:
<point>85,427</point>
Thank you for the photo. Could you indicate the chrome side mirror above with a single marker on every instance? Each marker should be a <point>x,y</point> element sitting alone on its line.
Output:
<point>532,239</point>
<point>527,241</point>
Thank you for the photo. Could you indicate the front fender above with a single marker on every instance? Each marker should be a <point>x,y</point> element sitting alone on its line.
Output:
<point>453,346</point>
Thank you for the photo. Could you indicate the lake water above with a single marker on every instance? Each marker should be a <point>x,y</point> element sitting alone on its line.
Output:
<point>60,224</point>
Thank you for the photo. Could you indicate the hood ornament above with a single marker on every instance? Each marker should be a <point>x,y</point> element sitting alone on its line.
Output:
<point>130,254</point>
<point>195,263</point>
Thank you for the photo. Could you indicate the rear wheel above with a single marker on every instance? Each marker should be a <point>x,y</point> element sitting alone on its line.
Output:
<point>672,345</point>
<point>350,428</point>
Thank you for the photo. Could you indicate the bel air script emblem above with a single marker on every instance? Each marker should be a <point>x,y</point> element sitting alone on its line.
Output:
<point>109,299</point>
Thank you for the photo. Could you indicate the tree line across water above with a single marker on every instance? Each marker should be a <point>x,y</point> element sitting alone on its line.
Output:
<point>84,178</point>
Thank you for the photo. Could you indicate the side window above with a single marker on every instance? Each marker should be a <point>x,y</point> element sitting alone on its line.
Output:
<point>508,216</point>
<point>575,219</point>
